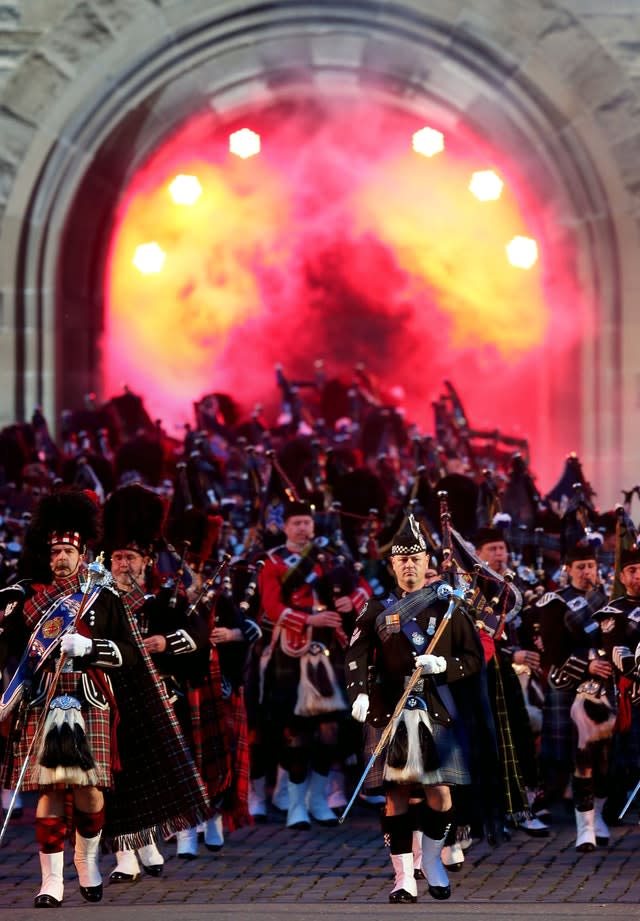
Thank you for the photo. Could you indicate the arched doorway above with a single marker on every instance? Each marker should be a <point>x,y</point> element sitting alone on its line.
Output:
<point>261,56</point>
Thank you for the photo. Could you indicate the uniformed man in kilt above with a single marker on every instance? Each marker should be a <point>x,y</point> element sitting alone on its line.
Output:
<point>618,639</point>
<point>177,639</point>
<point>85,709</point>
<point>307,631</point>
<point>567,633</point>
<point>426,748</point>
<point>69,746</point>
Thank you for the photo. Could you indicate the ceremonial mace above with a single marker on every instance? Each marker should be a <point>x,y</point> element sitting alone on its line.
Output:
<point>456,596</point>
<point>96,573</point>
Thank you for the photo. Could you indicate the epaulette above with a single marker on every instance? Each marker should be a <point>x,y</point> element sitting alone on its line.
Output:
<point>610,609</point>
<point>274,555</point>
<point>547,597</point>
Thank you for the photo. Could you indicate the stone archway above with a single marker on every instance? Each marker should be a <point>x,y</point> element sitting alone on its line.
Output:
<point>155,65</point>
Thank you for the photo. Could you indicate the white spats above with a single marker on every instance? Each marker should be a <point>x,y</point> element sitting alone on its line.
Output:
<point>85,858</point>
<point>433,867</point>
<point>405,888</point>
<point>600,827</point>
<point>585,831</point>
<point>317,800</point>
<point>297,815</point>
<point>257,799</point>
<point>280,795</point>
<point>187,844</point>
<point>213,833</point>
<point>52,868</point>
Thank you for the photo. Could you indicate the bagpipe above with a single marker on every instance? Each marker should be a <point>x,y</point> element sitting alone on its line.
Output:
<point>482,448</point>
<point>495,600</point>
<point>327,574</point>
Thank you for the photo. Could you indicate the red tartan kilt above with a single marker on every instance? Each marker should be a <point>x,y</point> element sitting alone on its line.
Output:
<point>97,728</point>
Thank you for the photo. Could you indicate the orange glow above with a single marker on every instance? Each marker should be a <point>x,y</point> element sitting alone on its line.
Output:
<point>172,327</point>
<point>244,143</point>
<point>443,239</point>
<point>522,252</point>
<point>428,142</point>
<point>486,185</point>
<point>336,243</point>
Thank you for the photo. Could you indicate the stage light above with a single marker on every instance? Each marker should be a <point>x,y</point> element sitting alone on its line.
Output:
<point>522,252</point>
<point>428,142</point>
<point>244,143</point>
<point>185,190</point>
<point>486,185</point>
<point>149,258</point>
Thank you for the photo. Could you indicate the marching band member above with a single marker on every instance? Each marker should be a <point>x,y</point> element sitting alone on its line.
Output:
<point>71,706</point>
<point>618,638</point>
<point>567,628</point>
<point>176,639</point>
<point>303,698</point>
<point>426,749</point>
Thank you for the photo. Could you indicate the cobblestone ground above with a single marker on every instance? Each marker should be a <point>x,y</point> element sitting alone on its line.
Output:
<point>347,865</point>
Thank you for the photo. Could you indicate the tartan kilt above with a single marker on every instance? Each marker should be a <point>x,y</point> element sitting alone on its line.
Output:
<point>208,736</point>
<point>453,768</point>
<point>558,738</point>
<point>235,804</point>
<point>97,730</point>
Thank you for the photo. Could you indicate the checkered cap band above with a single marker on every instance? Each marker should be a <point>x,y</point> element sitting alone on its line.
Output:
<point>406,549</point>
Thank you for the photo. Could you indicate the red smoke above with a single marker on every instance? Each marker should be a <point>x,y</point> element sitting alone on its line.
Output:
<point>337,242</point>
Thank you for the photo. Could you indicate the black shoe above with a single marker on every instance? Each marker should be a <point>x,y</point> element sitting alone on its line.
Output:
<point>440,892</point>
<point>585,848</point>
<point>535,828</point>
<point>418,873</point>
<point>326,823</point>
<point>154,869</point>
<point>187,856</point>
<point>46,901</point>
<point>401,896</point>
<point>91,893</point>
<point>117,876</point>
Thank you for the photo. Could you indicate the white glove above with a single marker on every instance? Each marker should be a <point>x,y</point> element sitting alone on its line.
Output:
<point>619,654</point>
<point>432,665</point>
<point>360,708</point>
<point>74,644</point>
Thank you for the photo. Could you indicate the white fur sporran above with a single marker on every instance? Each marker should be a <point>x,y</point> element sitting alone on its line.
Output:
<point>411,755</point>
<point>593,714</point>
<point>318,689</point>
<point>64,755</point>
